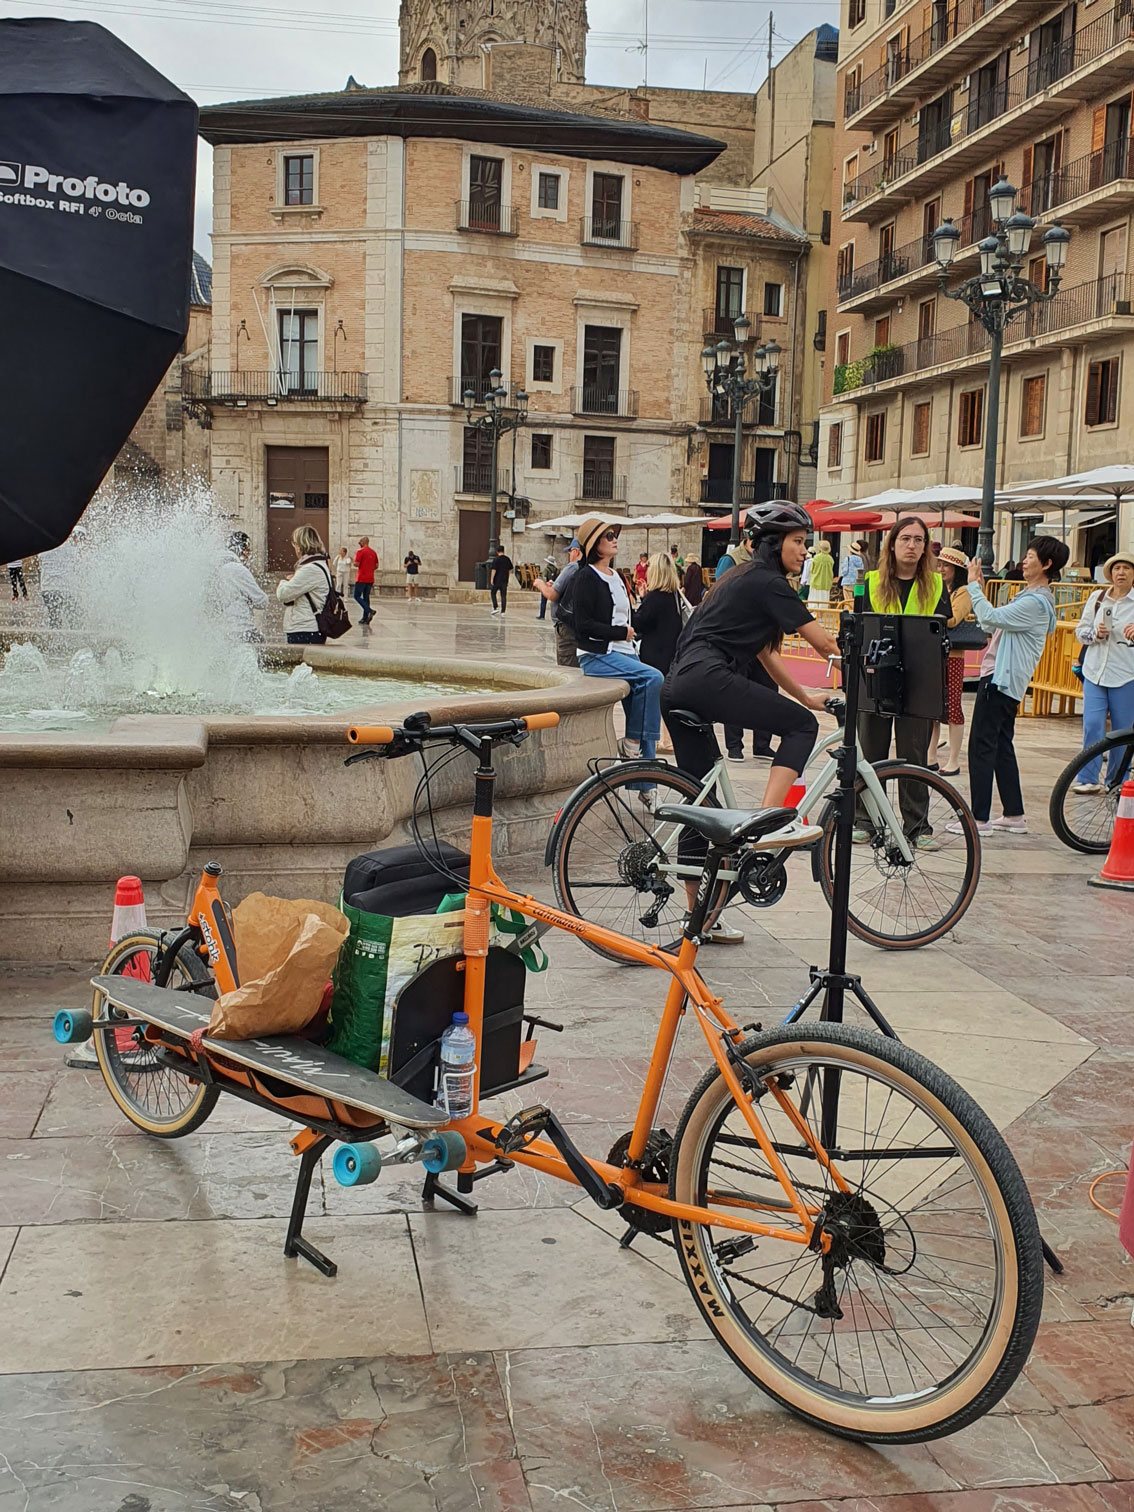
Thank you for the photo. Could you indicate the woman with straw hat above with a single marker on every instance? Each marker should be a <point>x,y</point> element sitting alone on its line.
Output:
<point>1106,629</point>
<point>605,635</point>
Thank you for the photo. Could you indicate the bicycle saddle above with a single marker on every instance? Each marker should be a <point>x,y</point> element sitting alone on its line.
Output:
<point>726,827</point>
<point>685,717</point>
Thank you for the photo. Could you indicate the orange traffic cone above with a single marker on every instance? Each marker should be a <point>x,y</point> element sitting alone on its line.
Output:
<point>1118,872</point>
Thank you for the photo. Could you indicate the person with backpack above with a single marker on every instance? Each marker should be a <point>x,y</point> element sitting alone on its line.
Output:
<point>305,593</point>
<point>559,595</point>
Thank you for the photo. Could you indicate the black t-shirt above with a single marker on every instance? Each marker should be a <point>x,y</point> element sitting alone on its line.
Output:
<point>501,567</point>
<point>748,609</point>
<point>411,564</point>
<point>944,603</point>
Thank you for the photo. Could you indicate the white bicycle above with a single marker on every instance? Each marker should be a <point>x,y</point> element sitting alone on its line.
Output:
<point>614,863</point>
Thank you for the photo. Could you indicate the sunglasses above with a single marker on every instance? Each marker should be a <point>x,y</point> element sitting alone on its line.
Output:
<point>610,535</point>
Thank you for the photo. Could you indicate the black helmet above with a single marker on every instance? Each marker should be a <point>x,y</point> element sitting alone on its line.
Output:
<point>239,542</point>
<point>777,517</point>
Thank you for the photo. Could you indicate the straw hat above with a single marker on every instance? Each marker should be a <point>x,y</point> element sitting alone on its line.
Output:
<point>954,557</point>
<point>590,530</point>
<point>1119,556</point>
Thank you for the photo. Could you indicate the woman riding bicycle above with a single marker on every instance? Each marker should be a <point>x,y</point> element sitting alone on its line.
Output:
<point>744,618</point>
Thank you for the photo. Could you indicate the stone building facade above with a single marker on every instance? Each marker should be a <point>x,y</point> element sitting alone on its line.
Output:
<point>375,254</point>
<point>934,104</point>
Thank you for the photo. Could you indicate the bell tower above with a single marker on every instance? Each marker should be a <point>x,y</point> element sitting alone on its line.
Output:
<point>447,39</point>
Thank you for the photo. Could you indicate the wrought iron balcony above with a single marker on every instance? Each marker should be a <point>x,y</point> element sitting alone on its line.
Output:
<point>914,256</point>
<point>598,231</point>
<point>595,399</point>
<point>719,491</point>
<point>1111,165</point>
<point>476,478</point>
<point>718,410</point>
<point>491,219</point>
<point>716,323</point>
<point>480,387</point>
<point>600,484</point>
<point>243,388</point>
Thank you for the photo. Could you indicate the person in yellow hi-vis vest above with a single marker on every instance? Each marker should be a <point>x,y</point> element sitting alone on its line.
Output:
<point>904,582</point>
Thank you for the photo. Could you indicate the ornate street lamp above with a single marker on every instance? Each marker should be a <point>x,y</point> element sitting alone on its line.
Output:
<point>498,419</point>
<point>998,295</point>
<point>725,367</point>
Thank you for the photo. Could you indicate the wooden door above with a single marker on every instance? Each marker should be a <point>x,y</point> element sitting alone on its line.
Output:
<point>472,542</point>
<point>298,479</point>
<point>1112,266</point>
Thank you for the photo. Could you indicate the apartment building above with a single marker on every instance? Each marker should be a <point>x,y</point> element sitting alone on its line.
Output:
<point>377,254</point>
<point>934,103</point>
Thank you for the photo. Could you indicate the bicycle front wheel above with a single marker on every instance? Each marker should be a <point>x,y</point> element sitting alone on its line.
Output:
<point>1085,821</point>
<point>920,1315</point>
<point>899,904</point>
<point>153,1096</point>
<point>615,864</point>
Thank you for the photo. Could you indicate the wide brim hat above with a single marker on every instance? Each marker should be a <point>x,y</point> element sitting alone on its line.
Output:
<point>1119,556</point>
<point>954,557</point>
<point>590,529</point>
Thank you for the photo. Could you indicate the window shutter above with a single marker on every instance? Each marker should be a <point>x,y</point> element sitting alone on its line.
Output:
<point>1057,151</point>
<point>1098,129</point>
<point>1092,416</point>
<point>968,199</point>
<point>1027,173</point>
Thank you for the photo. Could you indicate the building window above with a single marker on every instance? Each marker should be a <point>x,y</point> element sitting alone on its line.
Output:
<point>835,445</point>
<point>882,331</point>
<point>766,408</point>
<point>299,179</point>
<point>543,364</point>
<point>1032,405</point>
<point>919,442</point>
<point>970,418</point>
<point>857,13</point>
<point>299,350</point>
<point>541,452</point>
<point>1102,392</point>
<point>428,66</point>
<point>606,206</point>
<point>486,181</point>
<point>547,195</point>
<point>820,338</point>
<point>598,467</point>
<point>844,270</point>
<point>842,349</point>
<point>730,298</point>
<point>876,436</point>
<point>825,228</point>
<point>602,362</point>
<point>773,299</point>
<point>481,345</point>
<point>476,474</point>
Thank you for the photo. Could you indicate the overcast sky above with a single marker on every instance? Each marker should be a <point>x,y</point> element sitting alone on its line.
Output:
<point>244,49</point>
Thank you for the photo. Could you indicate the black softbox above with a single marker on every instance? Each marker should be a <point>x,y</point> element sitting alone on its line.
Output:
<point>97,163</point>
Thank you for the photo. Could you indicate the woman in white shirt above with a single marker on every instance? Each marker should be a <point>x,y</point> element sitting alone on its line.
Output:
<point>343,564</point>
<point>305,591</point>
<point>1106,629</point>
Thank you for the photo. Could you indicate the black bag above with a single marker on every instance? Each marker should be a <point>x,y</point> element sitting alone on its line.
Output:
<point>397,866</point>
<point>333,619</point>
<point>967,636</point>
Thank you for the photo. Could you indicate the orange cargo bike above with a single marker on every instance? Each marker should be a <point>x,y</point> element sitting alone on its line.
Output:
<point>851,1225</point>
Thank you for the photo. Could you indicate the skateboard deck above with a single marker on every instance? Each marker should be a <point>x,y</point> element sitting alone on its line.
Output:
<point>298,1062</point>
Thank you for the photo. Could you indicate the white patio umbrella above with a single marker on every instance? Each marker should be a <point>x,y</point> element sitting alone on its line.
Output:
<point>1115,481</point>
<point>935,497</point>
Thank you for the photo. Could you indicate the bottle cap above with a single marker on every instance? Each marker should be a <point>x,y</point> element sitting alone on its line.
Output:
<point>128,893</point>
<point>460,1018</point>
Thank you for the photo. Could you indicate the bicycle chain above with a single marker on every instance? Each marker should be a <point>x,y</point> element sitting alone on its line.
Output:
<point>736,1276</point>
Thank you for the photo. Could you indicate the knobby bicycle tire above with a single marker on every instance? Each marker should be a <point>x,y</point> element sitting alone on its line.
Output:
<point>897,1264</point>
<point>1070,814</point>
<point>883,883</point>
<point>133,1074</point>
<point>611,797</point>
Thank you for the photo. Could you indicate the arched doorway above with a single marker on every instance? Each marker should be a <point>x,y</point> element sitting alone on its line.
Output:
<point>428,65</point>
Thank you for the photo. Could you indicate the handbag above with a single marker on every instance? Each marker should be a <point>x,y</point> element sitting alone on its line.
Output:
<point>333,619</point>
<point>684,608</point>
<point>1077,664</point>
<point>967,636</point>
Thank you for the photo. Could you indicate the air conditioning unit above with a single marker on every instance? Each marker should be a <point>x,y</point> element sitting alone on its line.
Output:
<point>1122,306</point>
<point>1022,44</point>
<point>964,84</point>
<point>872,149</point>
<point>915,118</point>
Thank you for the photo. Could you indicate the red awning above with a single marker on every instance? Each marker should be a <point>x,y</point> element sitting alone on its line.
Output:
<point>830,517</point>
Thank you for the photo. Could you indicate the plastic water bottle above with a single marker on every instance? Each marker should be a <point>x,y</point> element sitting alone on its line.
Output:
<point>458,1068</point>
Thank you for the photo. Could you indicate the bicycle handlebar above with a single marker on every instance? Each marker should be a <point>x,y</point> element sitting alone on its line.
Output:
<point>418,728</point>
<point>370,734</point>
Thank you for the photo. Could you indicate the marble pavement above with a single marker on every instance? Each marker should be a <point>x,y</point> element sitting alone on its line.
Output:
<point>157,1353</point>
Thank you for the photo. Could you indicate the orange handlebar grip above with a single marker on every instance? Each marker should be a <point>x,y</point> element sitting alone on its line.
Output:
<point>540,721</point>
<point>370,734</point>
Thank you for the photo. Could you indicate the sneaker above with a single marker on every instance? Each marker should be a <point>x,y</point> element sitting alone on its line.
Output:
<point>1016,825</point>
<point>629,750</point>
<point>720,934</point>
<point>1086,788</point>
<point>790,837</point>
<point>736,755</point>
<point>927,843</point>
<point>648,798</point>
<point>983,827</point>
<point>496,611</point>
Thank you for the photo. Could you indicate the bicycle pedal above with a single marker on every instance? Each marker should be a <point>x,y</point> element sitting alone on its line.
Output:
<point>521,1129</point>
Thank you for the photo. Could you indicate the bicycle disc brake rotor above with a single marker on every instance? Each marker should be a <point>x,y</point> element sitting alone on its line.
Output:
<point>654,1167</point>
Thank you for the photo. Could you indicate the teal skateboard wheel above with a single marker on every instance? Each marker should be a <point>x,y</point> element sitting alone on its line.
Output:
<point>71,1026</point>
<point>356,1164</point>
<point>444,1151</point>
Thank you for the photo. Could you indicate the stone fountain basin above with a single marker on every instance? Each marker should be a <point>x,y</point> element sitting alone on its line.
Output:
<point>269,798</point>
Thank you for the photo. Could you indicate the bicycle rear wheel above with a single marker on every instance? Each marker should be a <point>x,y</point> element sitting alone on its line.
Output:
<point>612,859</point>
<point>1085,821</point>
<point>895,904</point>
<point>921,1314</point>
<point>153,1096</point>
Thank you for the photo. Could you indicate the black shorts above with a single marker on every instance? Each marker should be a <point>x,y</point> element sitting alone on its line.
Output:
<point>713,688</point>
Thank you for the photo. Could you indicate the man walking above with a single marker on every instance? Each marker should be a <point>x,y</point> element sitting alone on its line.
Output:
<point>499,574</point>
<point>366,564</point>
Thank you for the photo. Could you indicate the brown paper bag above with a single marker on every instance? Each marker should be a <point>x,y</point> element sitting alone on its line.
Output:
<point>286,949</point>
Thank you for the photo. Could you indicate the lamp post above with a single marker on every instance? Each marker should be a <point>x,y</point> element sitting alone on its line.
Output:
<point>498,419</point>
<point>998,295</point>
<point>725,367</point>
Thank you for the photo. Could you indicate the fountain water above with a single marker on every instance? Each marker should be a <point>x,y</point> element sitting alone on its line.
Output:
<point>153,629</point>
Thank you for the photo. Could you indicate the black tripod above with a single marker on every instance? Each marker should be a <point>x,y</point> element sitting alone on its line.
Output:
<point>833,981</point>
